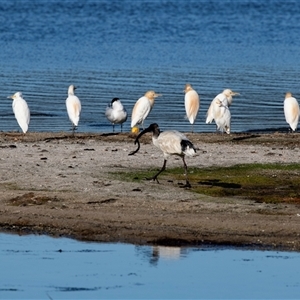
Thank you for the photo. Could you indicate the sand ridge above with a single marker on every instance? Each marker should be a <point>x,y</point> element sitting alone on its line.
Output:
<point>53,183</point>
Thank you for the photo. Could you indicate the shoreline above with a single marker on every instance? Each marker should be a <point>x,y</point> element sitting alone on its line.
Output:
<point>59,185</point>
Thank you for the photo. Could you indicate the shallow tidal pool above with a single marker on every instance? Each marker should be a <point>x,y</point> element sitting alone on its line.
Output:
<point>42,267</point>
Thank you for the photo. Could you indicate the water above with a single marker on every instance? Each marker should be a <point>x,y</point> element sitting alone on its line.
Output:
<point>40,267</point>
<point>124,48</point>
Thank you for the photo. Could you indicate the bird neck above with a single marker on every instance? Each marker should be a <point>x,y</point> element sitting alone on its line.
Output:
<point>151,102</point>
<point>156,133</point>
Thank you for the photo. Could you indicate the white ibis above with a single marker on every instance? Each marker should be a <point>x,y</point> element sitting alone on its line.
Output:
<point>218,110</point>
<point>291,111</point>
<point>170,142</point>
<point>191,103</point>
<point>116,113</point>
<point>73,107</point>
<point>21,111</point>
<point>142,108</point>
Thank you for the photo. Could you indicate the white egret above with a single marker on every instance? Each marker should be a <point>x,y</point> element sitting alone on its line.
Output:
<point>21,111</point>
<point>73,107</point>
<point>217,110</point>
<point>192,104</point>
<point>116,113</point>
<point>223,116</point>
<point>170,142</point>
<point>142,108</point>
<point>291,111</point>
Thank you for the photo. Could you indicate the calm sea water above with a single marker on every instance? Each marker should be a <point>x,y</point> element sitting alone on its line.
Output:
<point>124,48</point>
<point>39,267</point>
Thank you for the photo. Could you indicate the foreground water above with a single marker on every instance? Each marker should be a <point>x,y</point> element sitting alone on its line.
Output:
<point>40,267</point>
<point>124,48</point>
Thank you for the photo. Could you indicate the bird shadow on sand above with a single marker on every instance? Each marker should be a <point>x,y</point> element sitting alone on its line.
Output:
<point>218,183</point>
<point>240,138</point>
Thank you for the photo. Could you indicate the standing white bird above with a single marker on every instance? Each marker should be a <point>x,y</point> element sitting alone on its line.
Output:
<point>291,111</point>
<point>116,113</point>
<point>191,103</point>
<point>223,116</point>
<point>218,107</point>
<point>21,111</point>
<point>170,142</point>
<point>73,107</point>
<point>142,108</point>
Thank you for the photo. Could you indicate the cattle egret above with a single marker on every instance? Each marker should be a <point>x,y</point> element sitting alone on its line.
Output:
<point>73,107</point>
<point>291,111</point>
<point>21,111</point>
<point>142,108</point>
<point>170,142</point>
<point>192,104</point>
<point>223,116</point>
<point>116,113</point>
<point>218,110</point>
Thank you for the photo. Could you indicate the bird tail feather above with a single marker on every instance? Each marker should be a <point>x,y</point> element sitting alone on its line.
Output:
<point>188,147</point>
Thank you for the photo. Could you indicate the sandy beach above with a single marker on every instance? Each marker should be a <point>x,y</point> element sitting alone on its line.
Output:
<point>56,184</point>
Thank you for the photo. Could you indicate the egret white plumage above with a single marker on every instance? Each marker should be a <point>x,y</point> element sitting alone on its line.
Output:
<point>142,108</point>
<point>170,142</point>
<point>191,103</point>
<point>73,105</point>
<point>21,111</point>
<point>116,113</point>
<point>223,116</point>
<point>219,112</point>
<point>291,111</point>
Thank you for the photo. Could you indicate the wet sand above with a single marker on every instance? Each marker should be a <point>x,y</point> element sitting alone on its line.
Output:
<point>56,184</point>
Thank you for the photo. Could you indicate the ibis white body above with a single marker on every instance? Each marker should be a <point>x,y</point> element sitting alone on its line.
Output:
<point>170,142</point>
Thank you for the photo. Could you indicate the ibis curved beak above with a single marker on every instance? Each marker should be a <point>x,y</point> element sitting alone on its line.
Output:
<point>148,129</point>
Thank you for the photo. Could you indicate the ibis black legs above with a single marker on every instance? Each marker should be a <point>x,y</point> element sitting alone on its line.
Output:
<point>187,183</point>
<point>161,170</point>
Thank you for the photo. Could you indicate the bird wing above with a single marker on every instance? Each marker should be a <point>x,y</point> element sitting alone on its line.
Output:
<point>192,104</point>
<point>223,119</point>
<point>209,114</point>
<point>170,142</point>
<point>213,109</point>
<point>74,108</point>
<point>109,113</point>
<point>140,111</point>
<point>22,113</point>
<point>291,112</point>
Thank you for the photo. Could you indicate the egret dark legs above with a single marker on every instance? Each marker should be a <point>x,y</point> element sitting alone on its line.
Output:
<point>192,128</point>
<point>73,129</point>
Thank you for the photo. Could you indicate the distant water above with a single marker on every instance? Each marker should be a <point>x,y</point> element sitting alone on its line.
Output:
<point>40,267</point>
<point>124,48</point>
